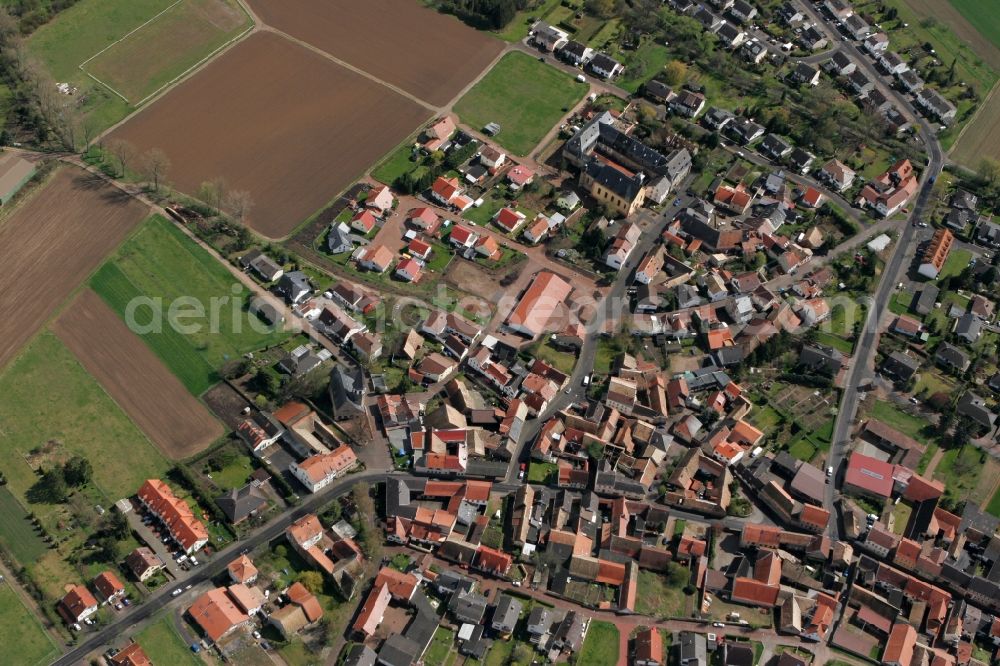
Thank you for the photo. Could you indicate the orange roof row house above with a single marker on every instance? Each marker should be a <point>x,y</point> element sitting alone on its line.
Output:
<point>539,304</point>
<point>217,614</point>
<point>175,514</point>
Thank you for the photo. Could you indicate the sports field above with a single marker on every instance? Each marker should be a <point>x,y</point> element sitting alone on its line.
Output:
<point>173,42</point>
<point>525,96</point>
<point>49,400</point>
<point>156,400</point>
<point>277,120</point>
<point>167,37</point>
<point>160,262</point>
<point>25,642</point>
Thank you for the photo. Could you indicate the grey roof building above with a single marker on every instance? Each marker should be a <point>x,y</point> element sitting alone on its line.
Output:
<point>818,358</point>
<point>975,408</point>
<point>468,607</point>
<point>240,504</point>
<point>506,613</point>
<point>900,365</point>
<point>969,327</point>
<point>693,649</point>
<point>952,357</point>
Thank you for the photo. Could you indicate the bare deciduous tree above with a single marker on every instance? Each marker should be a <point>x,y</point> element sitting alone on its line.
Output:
<point>155,165</point>
<point>123,152</point>
<point>213,193</point>
<point>239,203</point>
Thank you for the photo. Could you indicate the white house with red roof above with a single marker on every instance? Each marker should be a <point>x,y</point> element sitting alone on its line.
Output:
<point>380,199</point>
<point>424,219</point>
<point>319,471</point>
<point>519,176</point>
<point>445,190</point>
<point>509,219</point>
<point>78,604</point>
<point>537,230</point>
<point>812,198</point>
<point>376,258</point>
<point>420,249</point>
<point>364,222</point>
<point>409,270</point>
<point>488,247</point>
<point>462,236</point>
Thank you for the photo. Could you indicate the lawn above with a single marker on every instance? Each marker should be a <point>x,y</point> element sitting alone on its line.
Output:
<point>933,382</point>
<point>656,598</point>
<point>802,449</point>
<point>437,652</point>
<point>235,474</point>
<point>526,97</point>
<point>900,517</point>
<point>562,361</point>
<point>765,418</point>
<point>907,424</point>
<point>162,640</point>
<point>295,653</point>
<point>994,506</point>
<point>171,279</point>
<point>900,302</point>
<point>600,648</point>
<point>519,26</point>
<point>956,262</point>
<point>959,469</point>
<point>27,643</point>
<point>78,33</point>
<point>643,64</point>
<point>540,472</point>
<point>16,532</point>
<point>396,164</point>
<point>49,397</point>
<point>834,341</point>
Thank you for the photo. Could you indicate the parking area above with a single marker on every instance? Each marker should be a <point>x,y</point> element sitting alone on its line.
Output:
<point>149,530</point>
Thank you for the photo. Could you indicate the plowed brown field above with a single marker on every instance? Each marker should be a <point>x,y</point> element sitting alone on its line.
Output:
<point>51,244</point>
<point>277,120</point>
<point>429,55</point>
<point>136,378</point>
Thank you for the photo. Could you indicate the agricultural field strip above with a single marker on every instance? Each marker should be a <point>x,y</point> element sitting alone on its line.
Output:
<point>136,378</point>
<point>177,78</point>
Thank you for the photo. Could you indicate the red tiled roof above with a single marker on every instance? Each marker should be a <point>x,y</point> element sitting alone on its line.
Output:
<point>373,609</point>
<point>131,655</point>
<point>242,569</point>
<point>174,513</point>
<point>491,559</point>
<point>899,647</point>
<point>108,585</point>
<point>540,302</point>
<point>299,595</point>
<point>401,585</point>
<point>869,474</point>
<point>753,592</point>
<point>216,613</point>
<point>78,600</point>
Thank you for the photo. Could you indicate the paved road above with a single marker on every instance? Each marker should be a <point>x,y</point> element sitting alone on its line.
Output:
<point>608,311</point>
<point>218,563</point>
<point>865,352</point>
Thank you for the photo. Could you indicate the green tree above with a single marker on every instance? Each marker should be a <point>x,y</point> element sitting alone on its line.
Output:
<point>675,73</point>
<point>311,580</point>
<point>78,471</point>
<point>602,8</point>
<point>51,488</point>
<point>109,548</point>
<point>116,525</point>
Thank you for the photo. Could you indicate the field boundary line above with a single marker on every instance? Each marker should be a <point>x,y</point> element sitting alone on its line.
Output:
<point>210,56</point>
<point>357,70</point>
<point>133,30</point>
<point>975,116</point>
<point>105,85</point>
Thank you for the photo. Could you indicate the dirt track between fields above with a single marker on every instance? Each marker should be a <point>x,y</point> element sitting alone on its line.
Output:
<point>277,120</point>
<point>430,55</point>
<point>136,378</point>
<point>51,243</point>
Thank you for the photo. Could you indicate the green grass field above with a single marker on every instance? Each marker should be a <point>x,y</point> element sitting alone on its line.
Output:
<point>161,262</point>
<point>898,419</point>
<point>163,641</point>
<point>983,15</point>
<point>48,396</point>
<point>26,641</point>
<point>80,32</point>
<point>526,97</point>
<point>600,647</point>
<point>959,469</point>
<point>956,262</point>
<point>440,647</point>
<point>160,51</point>
<point>16,533</point>
<point>994,506</point>
<point>155,54</point>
